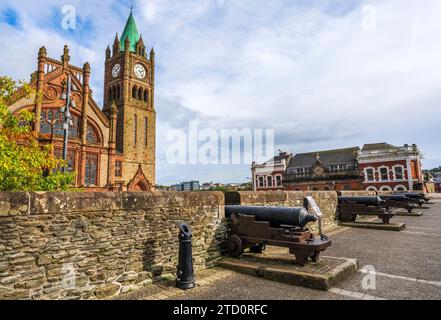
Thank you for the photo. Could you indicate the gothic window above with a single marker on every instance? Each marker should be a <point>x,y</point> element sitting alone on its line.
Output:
<point>140,94</point>
<point>118,92</point>
<point>145,131</point>
<point>146,95</point>
<point>135,129</point>
<point>91,136</point>
<point>118,168</point>
<point>91,169</point>
<point>58,154</point>
<point>109,95</point>
<point>134,92</point>
<point>52,124</point>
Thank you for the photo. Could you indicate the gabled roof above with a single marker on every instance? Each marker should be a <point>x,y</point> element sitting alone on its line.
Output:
<point>327,157</point>
<point>131,32</point>
<point>377,146</point>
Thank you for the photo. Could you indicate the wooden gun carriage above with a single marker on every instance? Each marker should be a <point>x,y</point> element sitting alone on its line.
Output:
<point>350,207</point>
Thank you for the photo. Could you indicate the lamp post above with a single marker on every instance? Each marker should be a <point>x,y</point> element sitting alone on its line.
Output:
<point>67,118</point>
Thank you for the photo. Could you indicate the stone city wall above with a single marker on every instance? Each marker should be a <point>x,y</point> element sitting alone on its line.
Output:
<point>326,200</point>
<point>97,245</point>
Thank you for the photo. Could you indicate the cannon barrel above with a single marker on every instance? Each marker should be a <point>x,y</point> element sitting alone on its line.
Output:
<point>413,195</point>
<point>293,216</point>
<point>394,197</point>
<point>373,201</point>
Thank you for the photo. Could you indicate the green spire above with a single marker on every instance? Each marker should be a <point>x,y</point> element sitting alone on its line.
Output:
<point>130,31</point>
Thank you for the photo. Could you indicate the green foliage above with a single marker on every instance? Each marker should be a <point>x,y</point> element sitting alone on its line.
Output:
<point>24,164</point>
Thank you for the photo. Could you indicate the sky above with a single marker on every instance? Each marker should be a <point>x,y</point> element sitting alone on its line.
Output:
<point>322,74</point>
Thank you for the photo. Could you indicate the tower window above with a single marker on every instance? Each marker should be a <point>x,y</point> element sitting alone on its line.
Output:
<point>146,95</point>
<point>135,129</point>
<point>118,92</point>
<point>134,92</point>
<point>140,94</point>
<point>145,130</point>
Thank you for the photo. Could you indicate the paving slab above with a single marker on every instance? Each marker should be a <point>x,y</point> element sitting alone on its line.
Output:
<point>374,225</point>
<point>408,214</point>
<point>280,266</point>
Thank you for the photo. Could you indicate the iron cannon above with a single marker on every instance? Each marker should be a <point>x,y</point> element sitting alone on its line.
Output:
<point>415,197</point>
<point>397,201</point>
<point>256,227</point>
<point>350,207</point>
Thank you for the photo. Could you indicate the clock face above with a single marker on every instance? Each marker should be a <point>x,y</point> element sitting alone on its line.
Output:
<point>139,71</point>
<point>115,70</point>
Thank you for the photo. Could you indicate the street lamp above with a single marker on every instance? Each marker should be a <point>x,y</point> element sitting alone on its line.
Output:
<point>67,118</point>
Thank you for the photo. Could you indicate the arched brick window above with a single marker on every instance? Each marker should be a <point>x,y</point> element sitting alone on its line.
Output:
<point>140,94</point>
<point>146,95</point>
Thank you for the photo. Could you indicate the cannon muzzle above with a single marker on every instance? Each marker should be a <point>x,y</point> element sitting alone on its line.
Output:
<point>277,216</point>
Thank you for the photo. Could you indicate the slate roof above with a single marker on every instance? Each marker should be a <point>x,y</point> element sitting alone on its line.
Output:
<point>327,157</point>
<point>377,146</point>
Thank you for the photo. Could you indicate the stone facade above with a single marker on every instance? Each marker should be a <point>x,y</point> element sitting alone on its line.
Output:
<point>326,200</point>
<point>97,245</point>
<point>109,149</point>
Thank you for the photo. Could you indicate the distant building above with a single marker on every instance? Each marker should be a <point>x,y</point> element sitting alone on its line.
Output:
<point>269,175</point>
<point>323,170</point>
<point>186,186</point>
<point>207,186</point>
<point>385,167</point>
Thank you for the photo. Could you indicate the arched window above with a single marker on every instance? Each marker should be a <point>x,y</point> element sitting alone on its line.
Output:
<point>145,130</point>
<point>146,95</point>
<point>134,92</point>
<point>118,92</point>
<point>140,94</point>
<point>135,129</point>
<point>109,95</point>
<point>91,135</point>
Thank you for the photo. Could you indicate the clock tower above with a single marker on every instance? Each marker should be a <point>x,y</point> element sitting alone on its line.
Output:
<point>129,101</point>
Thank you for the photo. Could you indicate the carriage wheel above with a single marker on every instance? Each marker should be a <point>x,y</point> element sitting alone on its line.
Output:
<point>346,216</point>
<point>234,246</point>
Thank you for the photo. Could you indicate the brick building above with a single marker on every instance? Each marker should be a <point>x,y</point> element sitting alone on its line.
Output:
<point>269,175</point>
<point>323,170</point>
<point>112,148</point>
<point>385,167</point>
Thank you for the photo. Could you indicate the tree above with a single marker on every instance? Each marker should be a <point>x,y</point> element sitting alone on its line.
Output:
<point>25,165</point>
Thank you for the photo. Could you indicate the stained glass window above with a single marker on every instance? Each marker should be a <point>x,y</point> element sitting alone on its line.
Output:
<point>91,169</point>
<point>58,153</point>
<point>52,123</point>
<point>91,136</point>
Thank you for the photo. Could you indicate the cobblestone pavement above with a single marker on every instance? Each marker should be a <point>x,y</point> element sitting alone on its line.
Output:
<point>407,265</point>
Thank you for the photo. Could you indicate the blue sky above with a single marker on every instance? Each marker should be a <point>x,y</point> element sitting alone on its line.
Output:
<point>311,70</point>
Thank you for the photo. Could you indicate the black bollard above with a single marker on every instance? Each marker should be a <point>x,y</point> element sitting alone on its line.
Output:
<point>185,274</point>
